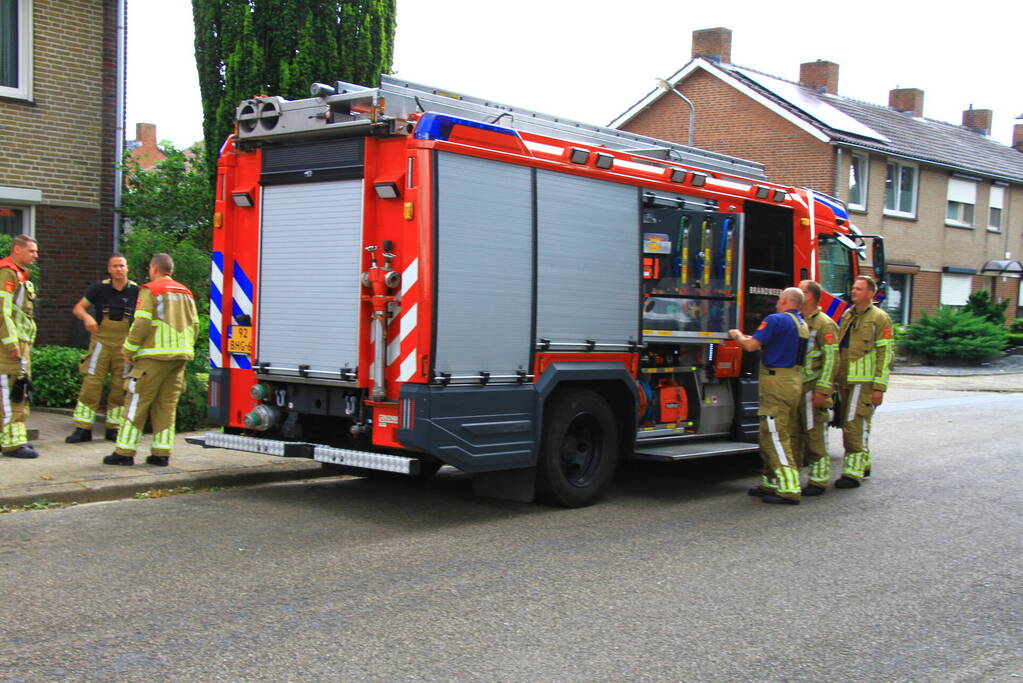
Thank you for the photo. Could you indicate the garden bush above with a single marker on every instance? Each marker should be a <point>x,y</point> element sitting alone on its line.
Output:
<point>980,304</point>
<point>954,334</point>
<point>55,376</point>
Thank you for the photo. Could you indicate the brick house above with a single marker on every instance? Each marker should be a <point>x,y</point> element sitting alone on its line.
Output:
<point>144,149</point>
<point>59,95</point>
<point>946,197</point>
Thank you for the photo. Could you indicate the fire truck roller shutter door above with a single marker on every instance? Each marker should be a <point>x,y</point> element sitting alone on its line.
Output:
<point>588,260</point>
<point>484,246</point>
<point>310,251</point>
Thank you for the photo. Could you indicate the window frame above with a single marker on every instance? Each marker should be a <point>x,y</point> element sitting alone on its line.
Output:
<point>25,200</point>
<point>906,303</point>
<point>23,91</point>
<point>958,212</point>
<point>863,180</point>
<point>899,165</point>
<point>991,225</point>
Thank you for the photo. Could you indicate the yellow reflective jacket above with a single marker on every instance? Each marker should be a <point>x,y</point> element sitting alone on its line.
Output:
<point>822,352</point>
<point>867,347</point>
<point>17,314</point>
<point>166,322</point>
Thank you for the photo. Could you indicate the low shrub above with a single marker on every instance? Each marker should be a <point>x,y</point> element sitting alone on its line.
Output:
<point>953,334</point>
<point>1014,339</point>
<point>55,376</point>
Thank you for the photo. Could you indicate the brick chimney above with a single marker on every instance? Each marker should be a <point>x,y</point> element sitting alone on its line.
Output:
<point>821,75</point>
<point>1017,137</point>
<point>714,44</point>
<point>977,120</point>
<point>147,152</point>
<point>909,100</point>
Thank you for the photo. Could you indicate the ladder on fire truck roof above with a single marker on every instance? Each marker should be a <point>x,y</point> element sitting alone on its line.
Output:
<point>403,98</point>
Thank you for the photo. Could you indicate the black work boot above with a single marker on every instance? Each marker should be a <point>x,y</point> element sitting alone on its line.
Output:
<point>845,482</point>
<point>23,451</point>
<point>79,436</point>
<point>111,435</point>
<point>814,490</point>
<point>866,473</point>
<point>778,500</point>
<point>118,459</point>
<point>158,460</point>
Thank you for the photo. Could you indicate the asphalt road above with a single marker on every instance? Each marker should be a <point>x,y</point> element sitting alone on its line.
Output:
<point>677,575</point>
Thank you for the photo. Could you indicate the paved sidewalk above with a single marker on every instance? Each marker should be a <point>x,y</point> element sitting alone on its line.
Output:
<point>74,472</point>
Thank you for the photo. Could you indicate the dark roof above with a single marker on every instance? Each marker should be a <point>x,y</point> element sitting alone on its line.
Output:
<point>920,139</point>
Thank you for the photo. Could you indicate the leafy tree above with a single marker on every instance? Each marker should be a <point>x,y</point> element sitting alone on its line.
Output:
<point>279,47</point>
<point>169,208</point>
<point>954,334</point>
<point>981,305</point>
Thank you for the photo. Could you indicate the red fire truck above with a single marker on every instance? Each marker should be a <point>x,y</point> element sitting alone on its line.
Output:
<point>405,278</point>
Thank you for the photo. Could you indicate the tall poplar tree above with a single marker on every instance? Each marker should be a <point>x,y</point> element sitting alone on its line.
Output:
<point>279,47</point>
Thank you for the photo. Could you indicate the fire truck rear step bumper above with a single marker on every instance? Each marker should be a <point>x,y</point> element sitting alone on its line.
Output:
<point>685,451</point>
<point>291,449</point>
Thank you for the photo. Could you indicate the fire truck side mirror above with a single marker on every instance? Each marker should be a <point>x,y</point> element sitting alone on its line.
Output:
<point>877,256</point>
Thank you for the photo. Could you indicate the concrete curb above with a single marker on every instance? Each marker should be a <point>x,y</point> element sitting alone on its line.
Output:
<point>114,487</point>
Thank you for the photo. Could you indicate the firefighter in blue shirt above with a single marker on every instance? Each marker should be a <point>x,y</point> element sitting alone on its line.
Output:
<point>782,339</point>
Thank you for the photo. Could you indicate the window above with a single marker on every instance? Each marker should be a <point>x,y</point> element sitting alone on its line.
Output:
<point>12,220</point>
<point>15,48</point>
<point>858,182</point>
<point>996,203</point>
<point>898,295</point>
<point>17,212</point>
<point>834,266</point>
<point>900,190</point>
<point>962,197</point>
<point>955,289</point>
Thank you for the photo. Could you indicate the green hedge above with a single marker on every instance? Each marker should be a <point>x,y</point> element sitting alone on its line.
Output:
<point>951,334</point>
<point>57,381</point>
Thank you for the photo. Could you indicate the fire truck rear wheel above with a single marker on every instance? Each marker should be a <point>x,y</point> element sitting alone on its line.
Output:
<point>578,454</point>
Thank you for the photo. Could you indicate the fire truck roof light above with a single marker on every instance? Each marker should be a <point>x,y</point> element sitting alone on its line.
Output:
<point>243,199</point>
<point>386,190</point>
<point>678,175</point>
<point>604,160</point>
<point>779,196</point>
<point>438,127</point>
<point>698,180</point>
<point>763,192</point>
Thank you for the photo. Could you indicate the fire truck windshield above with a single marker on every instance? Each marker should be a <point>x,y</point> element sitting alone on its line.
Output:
<point>835,265</point>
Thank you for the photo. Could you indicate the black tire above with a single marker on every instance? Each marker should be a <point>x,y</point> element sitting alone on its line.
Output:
<point>579,449</point>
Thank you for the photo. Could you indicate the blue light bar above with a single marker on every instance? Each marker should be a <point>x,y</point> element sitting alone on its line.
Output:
<point>438,127</point>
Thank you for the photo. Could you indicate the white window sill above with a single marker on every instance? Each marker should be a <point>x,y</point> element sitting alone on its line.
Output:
<point>860,208</point>
<point>956,224</point>
<point>899,214</point>
<point>990,229</point>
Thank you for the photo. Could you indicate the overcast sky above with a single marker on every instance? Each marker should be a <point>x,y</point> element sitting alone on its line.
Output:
<point>591,61</point>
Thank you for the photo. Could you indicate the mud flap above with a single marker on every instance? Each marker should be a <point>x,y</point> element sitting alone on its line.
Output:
<point>515,485</point>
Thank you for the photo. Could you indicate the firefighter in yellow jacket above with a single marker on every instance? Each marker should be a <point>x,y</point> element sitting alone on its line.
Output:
<point>114,301</point>
<point>159,345</point>
<point>17,333</point>
<point>866,350</point>
<point>818,386</point>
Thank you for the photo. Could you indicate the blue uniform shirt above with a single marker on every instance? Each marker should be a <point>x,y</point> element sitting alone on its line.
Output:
<point>779,339</point>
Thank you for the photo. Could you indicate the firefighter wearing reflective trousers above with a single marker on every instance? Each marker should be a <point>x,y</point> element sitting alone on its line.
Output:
<point>160,343</point>
<point>866,349</point>
<point>114,302</point>
<point>17,333</point>
<point>782,338</point>
<point>816,400</point>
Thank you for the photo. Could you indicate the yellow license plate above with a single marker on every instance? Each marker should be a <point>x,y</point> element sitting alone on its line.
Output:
<point>240,340</point>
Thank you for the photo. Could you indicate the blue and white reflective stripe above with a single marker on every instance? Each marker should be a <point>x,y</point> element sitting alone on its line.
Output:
<point>834,205</point>
<point>241,304</point>
<point>216,304</point>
